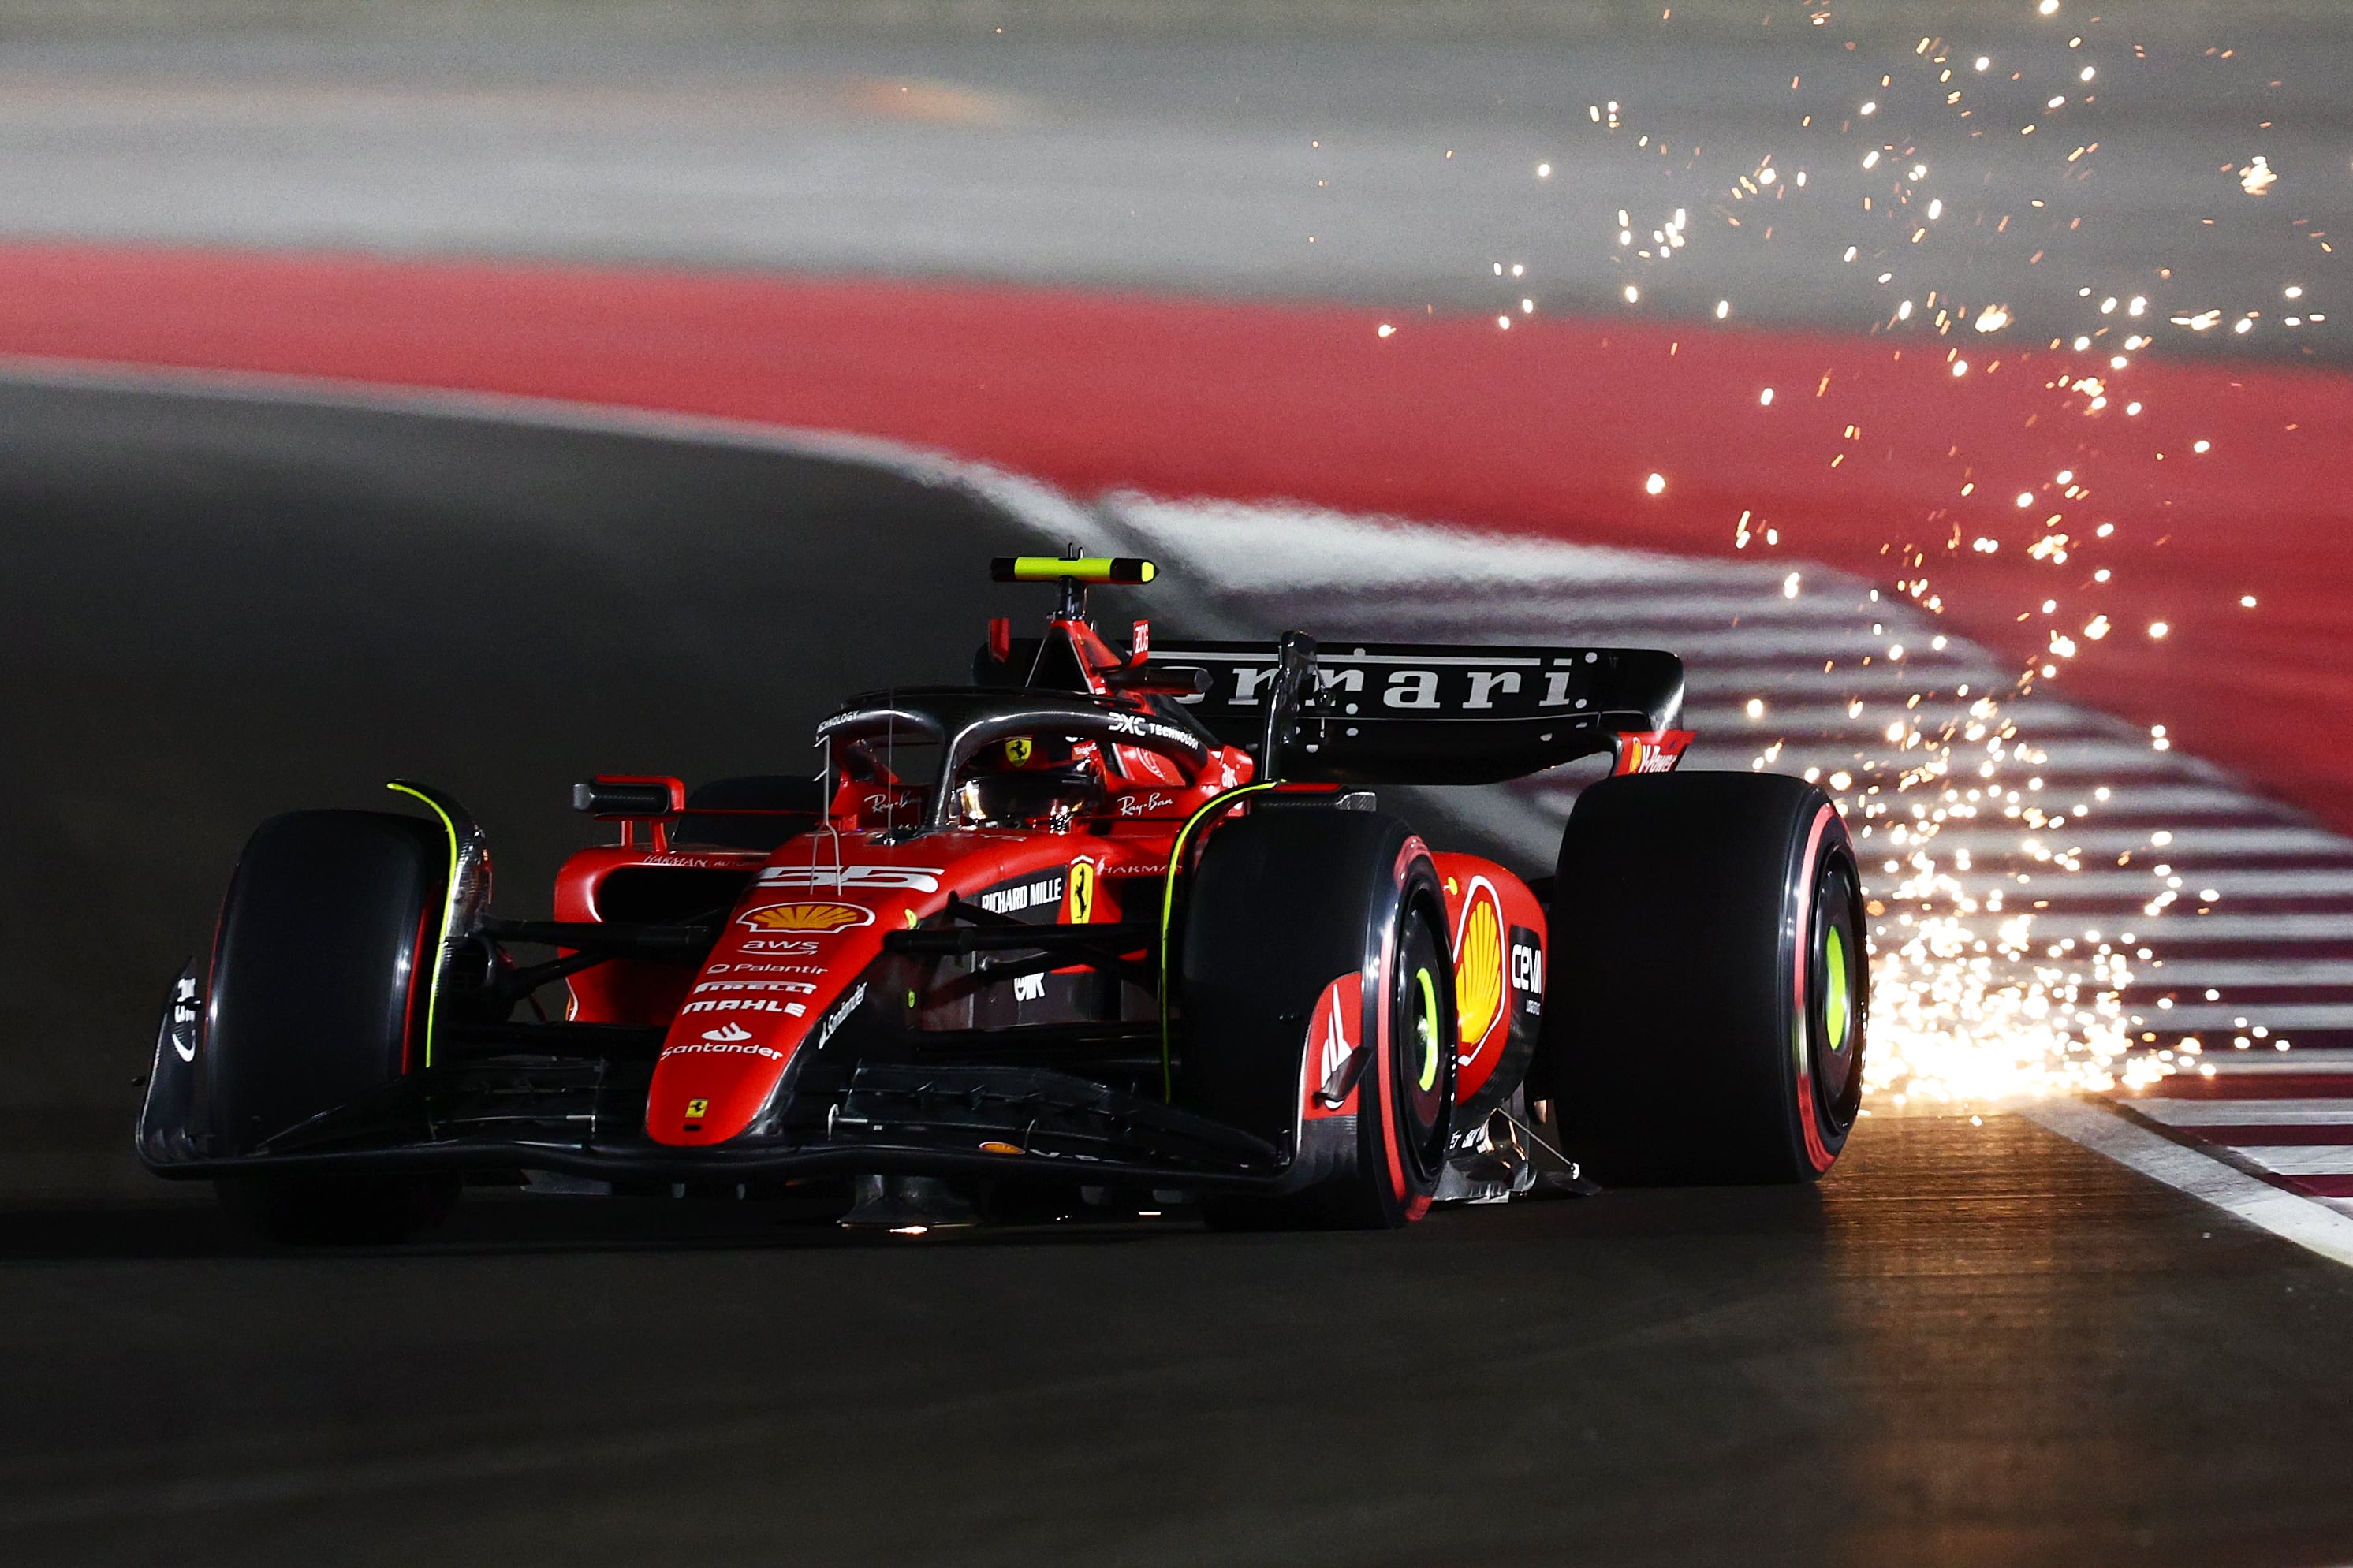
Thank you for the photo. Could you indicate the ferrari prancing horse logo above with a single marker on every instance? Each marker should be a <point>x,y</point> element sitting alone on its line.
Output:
<point>1080,906</point>
<point>1017,750</point>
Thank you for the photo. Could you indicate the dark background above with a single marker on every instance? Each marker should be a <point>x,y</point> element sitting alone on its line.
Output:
<point>217,609</point>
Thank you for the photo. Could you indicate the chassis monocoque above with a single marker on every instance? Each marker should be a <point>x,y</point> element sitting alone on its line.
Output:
<point>1109,926</point>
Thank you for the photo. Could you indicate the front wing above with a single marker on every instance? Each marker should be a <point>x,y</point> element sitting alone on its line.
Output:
<point>585,1116</point>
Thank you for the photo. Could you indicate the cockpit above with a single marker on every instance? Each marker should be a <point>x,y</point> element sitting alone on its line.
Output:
<point>1031,780</point>
<point>919,761</point>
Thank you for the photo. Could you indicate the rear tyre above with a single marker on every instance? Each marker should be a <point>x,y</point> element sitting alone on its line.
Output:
<point>1286,902</point>
<point>318,994</point>
<point>1705,1010</point>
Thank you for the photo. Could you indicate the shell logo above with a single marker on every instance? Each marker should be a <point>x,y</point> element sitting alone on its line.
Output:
<point>1479,964</point>
<point>821,919</point>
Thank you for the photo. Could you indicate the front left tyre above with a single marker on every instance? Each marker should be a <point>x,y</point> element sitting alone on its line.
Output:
<point>320,992</point>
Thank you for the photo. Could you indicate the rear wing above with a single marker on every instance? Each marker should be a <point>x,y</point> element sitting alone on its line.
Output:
<point>1406,713</point>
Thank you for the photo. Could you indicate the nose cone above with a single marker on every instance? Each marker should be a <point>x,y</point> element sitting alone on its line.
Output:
<point>720,1063</point>
<point>786,974</point>
<point>759,1003</point>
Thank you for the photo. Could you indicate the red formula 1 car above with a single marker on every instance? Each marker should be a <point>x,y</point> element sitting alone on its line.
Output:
<point>1105,930</point>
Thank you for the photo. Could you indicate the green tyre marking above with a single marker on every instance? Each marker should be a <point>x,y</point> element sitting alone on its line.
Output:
<point>1834,1003</point>
<point>1427,1027</point>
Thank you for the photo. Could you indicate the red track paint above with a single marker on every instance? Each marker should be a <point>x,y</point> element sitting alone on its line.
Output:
<point>2339,1186</point>
<point>1550,429</point>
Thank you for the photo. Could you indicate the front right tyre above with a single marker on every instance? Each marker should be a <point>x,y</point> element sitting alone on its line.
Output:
<point>1299,912</point>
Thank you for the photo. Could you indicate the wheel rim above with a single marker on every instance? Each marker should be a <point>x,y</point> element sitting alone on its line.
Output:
<point>1425,1076</point>
<point>1425,1029</point>
<point>1837,1031</point>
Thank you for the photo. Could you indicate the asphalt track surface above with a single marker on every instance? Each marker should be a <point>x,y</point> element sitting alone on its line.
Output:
<point>1973,1343</point>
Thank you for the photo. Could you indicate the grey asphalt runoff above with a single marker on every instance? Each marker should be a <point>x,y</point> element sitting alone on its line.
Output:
<point>1336,162</point>
<point>1971,1344</point>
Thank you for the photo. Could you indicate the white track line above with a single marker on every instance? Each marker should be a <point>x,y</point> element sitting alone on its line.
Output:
<point>2331,1061</point>
<point>2226,974</point>
<point>2230,881</point>
<point>2334,926</point>
<point>2300,1159</point>
<point>2304,1220</point>
<point>2221,1017</point>
<point>2255,840</point>
<point>2247,1112</point>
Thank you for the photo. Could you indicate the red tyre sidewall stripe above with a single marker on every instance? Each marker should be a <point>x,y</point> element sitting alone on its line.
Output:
<point>408,1006</point>
<point>1817,1155</point>
<point>1380,1032</point>
<point>1413,850</point>
<point>212,968</point>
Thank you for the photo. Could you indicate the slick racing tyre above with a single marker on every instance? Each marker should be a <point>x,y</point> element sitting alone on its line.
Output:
<point>1706,1012</point>
<point>319,993</point>
<point>1299,913</point>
